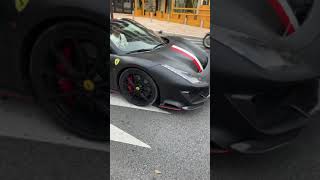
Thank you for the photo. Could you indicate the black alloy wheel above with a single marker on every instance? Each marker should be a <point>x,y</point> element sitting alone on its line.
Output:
<point>70,78</point>
<point>138,87</point>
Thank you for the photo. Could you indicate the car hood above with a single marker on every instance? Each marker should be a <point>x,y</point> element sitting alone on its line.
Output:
<point>178,53</point>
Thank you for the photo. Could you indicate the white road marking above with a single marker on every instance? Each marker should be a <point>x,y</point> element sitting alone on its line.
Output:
<point>118,100</point>
<point>118,135</point>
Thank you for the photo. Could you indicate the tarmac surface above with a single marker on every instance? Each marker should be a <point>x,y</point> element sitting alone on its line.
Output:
<point>33,146</point>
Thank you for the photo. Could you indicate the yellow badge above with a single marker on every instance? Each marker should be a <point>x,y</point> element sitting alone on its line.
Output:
<point>21,4</point>
<point>116,61</point>
<point>88,85</point>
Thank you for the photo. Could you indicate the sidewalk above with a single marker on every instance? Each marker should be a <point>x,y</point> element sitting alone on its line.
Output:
<point>167,27</point>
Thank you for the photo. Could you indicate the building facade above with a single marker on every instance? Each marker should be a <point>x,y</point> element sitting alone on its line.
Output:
<point>122,6</point>
<point>190,12</point>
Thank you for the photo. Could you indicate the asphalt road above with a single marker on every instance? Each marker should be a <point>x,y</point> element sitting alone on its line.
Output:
<point>34,146</point>
<point>27,120</point>
<point>179,143</point>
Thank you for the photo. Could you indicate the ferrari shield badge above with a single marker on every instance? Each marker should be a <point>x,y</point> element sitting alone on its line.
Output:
<point>21,4</point>
<point>88,85</point>
<point>116,61</point>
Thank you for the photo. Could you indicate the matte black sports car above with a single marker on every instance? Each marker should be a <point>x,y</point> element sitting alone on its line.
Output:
<point>264,92</point>
<point>148,69</point>
<point>55,51</point>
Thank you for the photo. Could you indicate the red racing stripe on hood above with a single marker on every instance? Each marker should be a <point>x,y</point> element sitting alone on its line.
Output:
<point>189,55</point>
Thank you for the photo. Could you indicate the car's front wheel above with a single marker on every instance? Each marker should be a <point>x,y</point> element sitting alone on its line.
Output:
<point>138,87</point>
<point>69,77</point>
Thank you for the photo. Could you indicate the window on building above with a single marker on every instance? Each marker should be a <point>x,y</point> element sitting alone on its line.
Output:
<point>205,2</point>
<point>185,4</point>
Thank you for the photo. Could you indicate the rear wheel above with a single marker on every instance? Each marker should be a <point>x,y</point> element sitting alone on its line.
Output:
<point>138,87</point>
<point>69,76</point>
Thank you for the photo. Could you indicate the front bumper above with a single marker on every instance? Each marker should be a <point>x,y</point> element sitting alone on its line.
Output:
<point>187,97</point>
<point>187,100</point>
<point>177,93</point>
<point>264,121</point>
<point>190,108</point>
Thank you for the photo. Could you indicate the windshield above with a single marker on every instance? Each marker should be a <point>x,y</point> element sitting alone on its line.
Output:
<point>127,37</point>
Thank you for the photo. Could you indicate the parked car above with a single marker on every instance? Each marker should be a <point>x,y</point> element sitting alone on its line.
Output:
<point>165,71</point>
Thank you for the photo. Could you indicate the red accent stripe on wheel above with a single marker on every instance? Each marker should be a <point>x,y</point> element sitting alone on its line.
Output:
<point>189,55</point>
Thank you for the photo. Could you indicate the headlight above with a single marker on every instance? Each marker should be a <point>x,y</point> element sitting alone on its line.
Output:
<point>185,75</point>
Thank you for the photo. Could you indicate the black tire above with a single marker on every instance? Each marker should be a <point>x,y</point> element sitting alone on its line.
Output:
<point>206,41</point>
<point>147,94</point>
<point>72,52</point>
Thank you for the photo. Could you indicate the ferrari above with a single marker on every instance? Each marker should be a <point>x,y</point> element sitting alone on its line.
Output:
<point>55,51</point>
<point>152,69</point>
<point>264,92</point>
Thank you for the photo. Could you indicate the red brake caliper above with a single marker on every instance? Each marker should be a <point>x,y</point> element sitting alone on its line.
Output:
<point>130,87</point>
<point>65,85</point>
